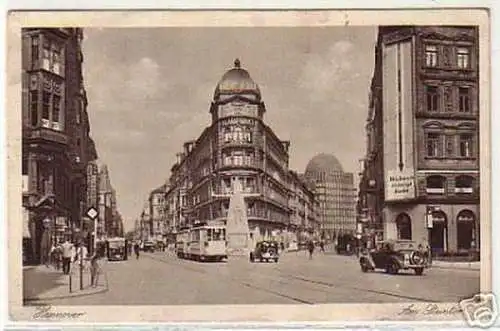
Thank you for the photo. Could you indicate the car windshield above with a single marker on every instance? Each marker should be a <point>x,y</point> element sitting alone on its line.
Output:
<point>404,245</point>
<point>116,244</point>
<point>395,245</point>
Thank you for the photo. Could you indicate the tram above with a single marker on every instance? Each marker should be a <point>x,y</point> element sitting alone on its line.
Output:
<point>202,242</point>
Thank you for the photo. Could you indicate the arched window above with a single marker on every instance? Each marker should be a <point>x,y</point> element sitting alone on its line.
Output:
<point>435,184</point>
<point>403,224</point>
<point>466,230</point>
<point>464,184</point>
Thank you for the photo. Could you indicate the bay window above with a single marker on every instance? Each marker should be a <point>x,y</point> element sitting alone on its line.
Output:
<point>52,59</point>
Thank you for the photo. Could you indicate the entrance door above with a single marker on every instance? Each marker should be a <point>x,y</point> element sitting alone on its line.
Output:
<point>437,237</point>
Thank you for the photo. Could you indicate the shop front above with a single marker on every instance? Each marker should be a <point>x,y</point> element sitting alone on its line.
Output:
<point>41,229</point>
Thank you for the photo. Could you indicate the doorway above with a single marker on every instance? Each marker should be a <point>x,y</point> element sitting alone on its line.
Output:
<point>439,233</point>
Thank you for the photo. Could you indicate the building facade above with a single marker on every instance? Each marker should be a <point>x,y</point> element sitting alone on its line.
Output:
<point>426,129</point>
<point>304,218</point>
<point>157,210</point>
<point>55,137</point>
<point>237,146</point>
<point>335,194</point>
<point>108,213</point>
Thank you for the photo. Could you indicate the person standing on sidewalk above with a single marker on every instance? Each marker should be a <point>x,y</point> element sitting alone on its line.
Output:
<point>95,269</point>
<point>67,254</point>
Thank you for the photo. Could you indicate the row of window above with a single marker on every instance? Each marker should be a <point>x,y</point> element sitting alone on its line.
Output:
<point>461,61</point>
<point>51,104</point>
<point>465,227</point>
<point>443,145</point>
<point>238,159</point>
<point>463,95</point>
<point>237,134</point>
<point>50,58</point>
<point>437,184</point>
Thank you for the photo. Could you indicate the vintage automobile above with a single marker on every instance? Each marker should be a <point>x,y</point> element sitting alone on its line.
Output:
<point>393,256</point>
<point>117,249</point>
<point>265,251</point>
<point>149,246</point>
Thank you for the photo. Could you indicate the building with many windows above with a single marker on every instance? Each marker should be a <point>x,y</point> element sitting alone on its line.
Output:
<point>237,146</point>
<point>157,209</point>
<point>423,131</point>
<point>56,143</point>
<point>335,194</point>
<point>304,208</point>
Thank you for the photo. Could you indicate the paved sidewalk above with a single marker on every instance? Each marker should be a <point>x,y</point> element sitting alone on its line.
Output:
<point>43,283</point>
<point>456,265</point>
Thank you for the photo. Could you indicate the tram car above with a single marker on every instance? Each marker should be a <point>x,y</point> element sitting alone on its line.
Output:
<point>202,242</point>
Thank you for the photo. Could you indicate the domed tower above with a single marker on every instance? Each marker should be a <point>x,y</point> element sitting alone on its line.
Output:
<point>249,180</point>
<point>236,94</point>
<point>334,190</point>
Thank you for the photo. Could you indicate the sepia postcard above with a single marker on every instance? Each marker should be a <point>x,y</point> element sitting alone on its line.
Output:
<point>233,166</point>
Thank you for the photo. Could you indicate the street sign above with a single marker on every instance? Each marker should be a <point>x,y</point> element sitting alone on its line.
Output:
<point>92,213</point>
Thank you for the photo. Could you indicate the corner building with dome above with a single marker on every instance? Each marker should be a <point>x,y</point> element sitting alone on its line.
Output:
<point>238,145</point>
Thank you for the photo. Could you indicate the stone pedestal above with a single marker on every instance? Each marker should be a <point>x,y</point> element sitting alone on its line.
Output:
<point>237,229</point>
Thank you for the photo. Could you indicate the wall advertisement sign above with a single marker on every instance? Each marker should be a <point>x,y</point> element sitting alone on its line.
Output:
<point>399,185</point>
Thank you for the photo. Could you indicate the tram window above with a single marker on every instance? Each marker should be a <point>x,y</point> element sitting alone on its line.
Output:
<point>209,234</point>
<point>218,234</point>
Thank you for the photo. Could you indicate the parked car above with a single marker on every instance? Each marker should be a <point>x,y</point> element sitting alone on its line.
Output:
<point>265,251</point>
<point>393,256</point>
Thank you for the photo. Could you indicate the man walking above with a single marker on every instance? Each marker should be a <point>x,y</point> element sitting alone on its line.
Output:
<point>136,250</point>
<point>310,247</point>
<point>67,252</point>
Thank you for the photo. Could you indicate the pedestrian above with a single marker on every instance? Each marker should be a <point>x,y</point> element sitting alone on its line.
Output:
<point>322,246</point>
<point>136,250</point>
<point>95,269</point>
<point>67,253</point>
<point>81,255</point>
<point>310,247</point>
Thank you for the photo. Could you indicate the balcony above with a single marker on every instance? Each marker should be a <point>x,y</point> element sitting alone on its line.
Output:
<point>48,135</point>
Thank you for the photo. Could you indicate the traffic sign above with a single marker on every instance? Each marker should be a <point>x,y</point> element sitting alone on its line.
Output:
<point>92,213</point>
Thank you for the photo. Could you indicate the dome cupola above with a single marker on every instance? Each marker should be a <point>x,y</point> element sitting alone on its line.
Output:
<point>237,81</point>
<point>322,166</point>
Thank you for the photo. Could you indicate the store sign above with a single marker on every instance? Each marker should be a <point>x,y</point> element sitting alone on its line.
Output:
<point>399,185</point>
<point>237,110</point>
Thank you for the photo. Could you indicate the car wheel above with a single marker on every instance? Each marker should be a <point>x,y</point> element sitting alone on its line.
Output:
<point>275,260</point>
<point>392,269</point>
<point>251,258</point>
<point>419,271</point>
<point>364,267</point>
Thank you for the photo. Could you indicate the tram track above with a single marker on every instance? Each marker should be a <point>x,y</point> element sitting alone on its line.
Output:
<point>278,276</point>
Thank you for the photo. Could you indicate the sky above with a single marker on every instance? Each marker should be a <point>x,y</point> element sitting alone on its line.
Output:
<point>150,89</point>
